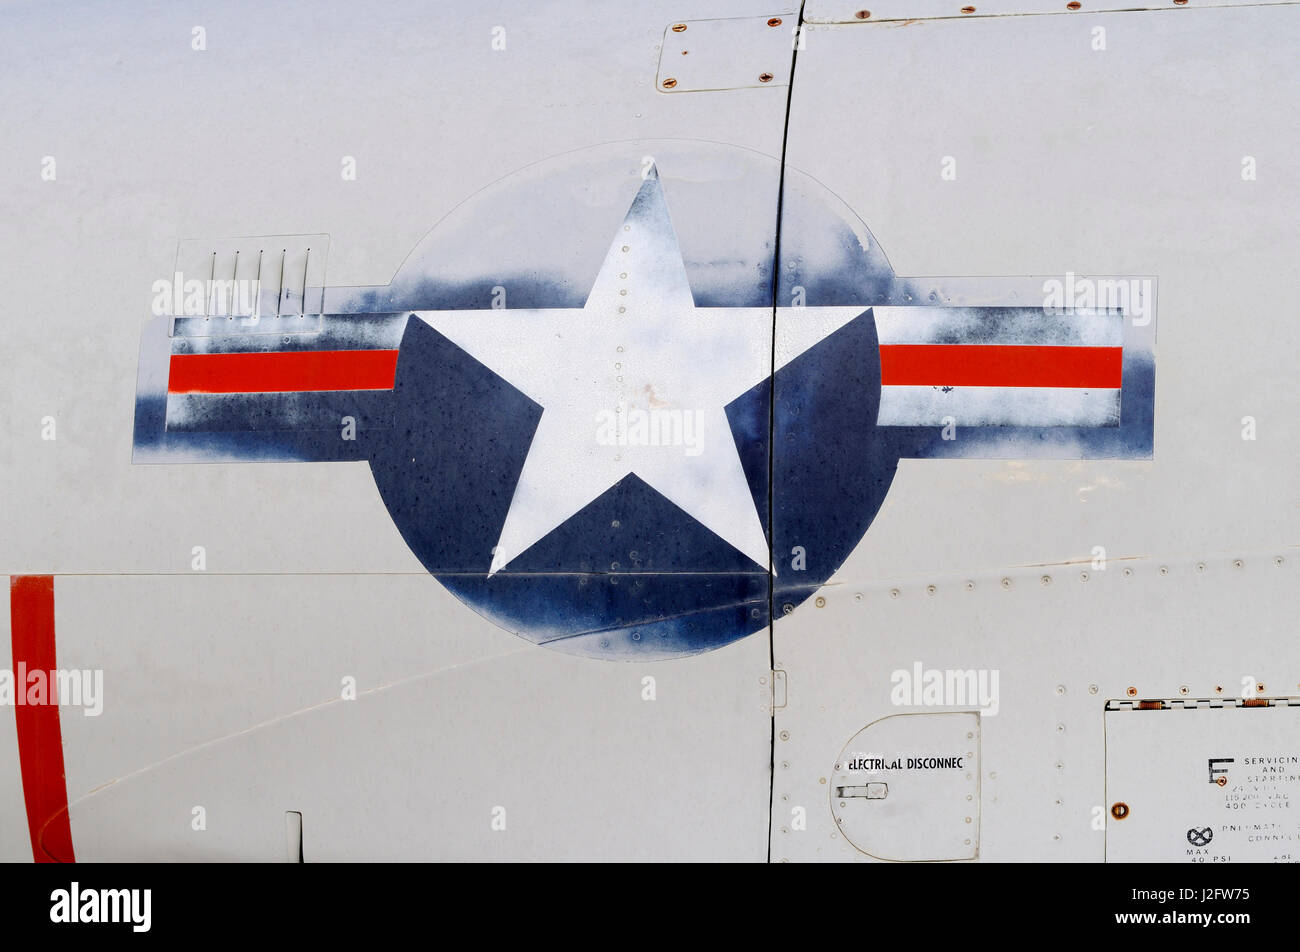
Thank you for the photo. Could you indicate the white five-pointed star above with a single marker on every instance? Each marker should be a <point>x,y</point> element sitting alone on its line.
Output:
<point>639,343</point>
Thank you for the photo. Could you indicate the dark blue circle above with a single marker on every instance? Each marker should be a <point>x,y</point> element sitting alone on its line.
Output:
<point>631,575</point>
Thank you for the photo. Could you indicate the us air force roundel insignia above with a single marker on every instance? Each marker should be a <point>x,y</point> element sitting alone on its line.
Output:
<point>602,414</point>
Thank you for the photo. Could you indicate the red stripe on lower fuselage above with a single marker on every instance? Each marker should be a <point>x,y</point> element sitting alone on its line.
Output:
<point>282,371</point>
<point>998,365</point>
<point>40,737</point>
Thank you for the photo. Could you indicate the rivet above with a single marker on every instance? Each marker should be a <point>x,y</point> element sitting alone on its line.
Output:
<point>668,83</point>
<point>1006,583</point>
<point>863,14</point>
<point>787,608</point>
<point>821,602</point>
<point>775,21</point>
<point>1119,810</point>
<point>679,27</point>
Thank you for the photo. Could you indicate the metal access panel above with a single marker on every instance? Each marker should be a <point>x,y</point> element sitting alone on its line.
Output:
<point>906,787</point>
<point>1203,783</point>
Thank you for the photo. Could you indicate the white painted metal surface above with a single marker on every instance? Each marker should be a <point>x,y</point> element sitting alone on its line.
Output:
<point>1068,159</point>
<point>223,688</point>
<point>236,609</point>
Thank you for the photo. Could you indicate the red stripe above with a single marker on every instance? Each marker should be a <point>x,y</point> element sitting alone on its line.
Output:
<point>997,365</point>
<point>40,739</point>
<point>283,371</point>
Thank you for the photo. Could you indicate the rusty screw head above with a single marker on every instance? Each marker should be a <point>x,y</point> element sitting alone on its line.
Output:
<point>967,9</point>
<point>1073,5</point>
<point>679,27</point>
<point>764,77</point>
<point>1132,692</point>
<point>669,83</point>
<point>863,14</point>
<point>775,21</point>
<point>1119,810</point>
<point>1221,781</point>
<point>1180,3</point>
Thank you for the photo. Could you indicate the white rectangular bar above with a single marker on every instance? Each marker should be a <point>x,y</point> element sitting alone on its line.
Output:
<point>1028,326</point>
<point>998,406</point>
